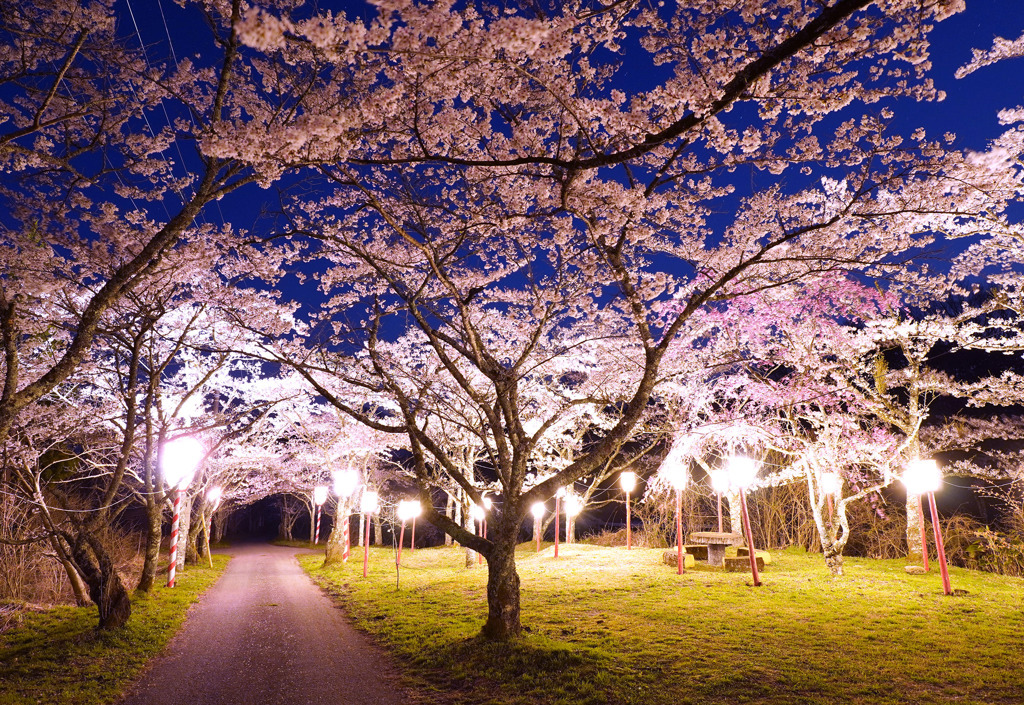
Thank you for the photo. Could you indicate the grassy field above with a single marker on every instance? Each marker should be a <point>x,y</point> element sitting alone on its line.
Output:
<point>610,626</point>
<point>59,657</point>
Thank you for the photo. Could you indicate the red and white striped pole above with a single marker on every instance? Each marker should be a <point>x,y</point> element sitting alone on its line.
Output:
<point>345,534</point>
<point>319,497</point>
<point>175,520</point>
<point>179,460</point>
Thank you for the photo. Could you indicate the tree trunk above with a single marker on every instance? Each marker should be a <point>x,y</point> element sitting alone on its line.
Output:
<point>735,512</point>
<point>335,550</point>
<point>915,550</point>
<point>834,558</point>
<point>502,587</point>
<point>378,535</point>
<point>570,529</point>
<point>77,586</point>
<point>195,528</point>
<point>362,529</point>
<point>100,574</point>
<point>449,511</point>
<point>154,539</point>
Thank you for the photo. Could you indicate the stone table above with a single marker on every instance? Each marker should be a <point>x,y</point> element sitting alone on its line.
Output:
<point>717,542</point>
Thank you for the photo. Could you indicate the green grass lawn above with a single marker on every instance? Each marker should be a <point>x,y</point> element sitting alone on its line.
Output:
<point>59,657</point>
<point>610,626</point>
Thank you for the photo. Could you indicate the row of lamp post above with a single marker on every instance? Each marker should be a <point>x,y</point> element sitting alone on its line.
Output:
<point>182,456</point>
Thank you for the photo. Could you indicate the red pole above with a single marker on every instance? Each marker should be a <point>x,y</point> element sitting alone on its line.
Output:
<point>556,526</point>
<point>924,536</point>
<point>366,545</point>
<point>679,532</point>
<point>629,526</point>
<point>401,540</point>
<point>412,541</point>
<point>750,540</point>
<point>344,533</point>
<point>175,518</point>
<point>719,511</point>
<point>940,550</point>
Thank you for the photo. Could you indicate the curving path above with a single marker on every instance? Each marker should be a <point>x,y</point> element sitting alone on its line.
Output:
<point>266,634</point>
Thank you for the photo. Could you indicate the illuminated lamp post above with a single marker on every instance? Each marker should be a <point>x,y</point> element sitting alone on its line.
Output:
<point>405,513</point>
<point>831,485</point>
<point>742,472</point>
<point>180,460</point>
<point>345,483</point>
<point>923,477</point>
<point>213,497</point>
<point>915,484</point>
<point>538,514</point>
<point>678,478</point>
<point>627,479</point>
<point>720,484</point>
<point>319,497</point>
<point>367,506</point>
<point>559,493</point>
<point>487,507</point>
<point>573,507</point>
<point>476,512</point>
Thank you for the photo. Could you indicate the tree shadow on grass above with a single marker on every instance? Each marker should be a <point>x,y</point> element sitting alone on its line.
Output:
<point>529,669</point>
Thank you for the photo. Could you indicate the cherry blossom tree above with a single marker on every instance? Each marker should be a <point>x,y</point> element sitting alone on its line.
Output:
<point>497,191</point>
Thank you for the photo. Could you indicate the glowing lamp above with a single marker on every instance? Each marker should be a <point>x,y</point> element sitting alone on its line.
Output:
<point>677,476</point>
<point>368,504</point>
<point>407,511</point>
<point>180,460</point>
<point>319,495</point>
<point>560,492</point>
<point>573,505</point>
<point>831,483</point>
<point>627,480</point>
<point>476,512</point>
<point>415,508</point>
<point>214,495</point>
<point>922,476</point>
<point>537,510</point>
<point>742,471</point>
<point>720,481</point>
<point>345,482</point>
<point>487,503</point>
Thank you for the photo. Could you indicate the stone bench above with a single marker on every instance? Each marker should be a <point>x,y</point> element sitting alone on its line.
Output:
<point>742,552</point>
<point>699,551</point>
<point>671,557</point>
<point>741,564</point>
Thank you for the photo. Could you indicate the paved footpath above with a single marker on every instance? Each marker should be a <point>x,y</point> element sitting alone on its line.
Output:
<point>266,635</point>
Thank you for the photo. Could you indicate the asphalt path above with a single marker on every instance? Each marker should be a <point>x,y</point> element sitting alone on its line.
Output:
<point>266,634</point>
